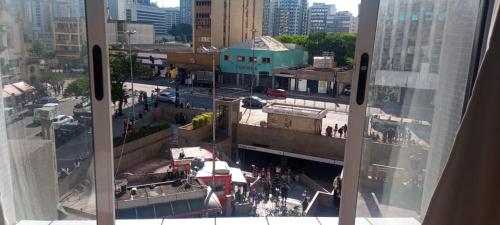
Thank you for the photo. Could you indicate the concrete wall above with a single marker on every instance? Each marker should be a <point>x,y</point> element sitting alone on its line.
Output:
<point>168,114</point>
<point>292,141</point>
<point>190,138</point>
<point>310,183</point>
<point>141,150</point>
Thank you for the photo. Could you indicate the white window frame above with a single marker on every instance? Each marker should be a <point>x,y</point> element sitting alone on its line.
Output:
<point>102,126</point>
<point>368,17</point>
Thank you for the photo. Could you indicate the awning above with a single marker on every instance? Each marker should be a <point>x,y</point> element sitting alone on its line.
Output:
<point>237,176</point>
<point>23,86</point>
<point>10,90</point>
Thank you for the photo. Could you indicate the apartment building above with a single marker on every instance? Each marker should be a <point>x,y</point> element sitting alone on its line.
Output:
<point>317,17</point>
<point>342,21</point>
<point>186,12</point>
<point>290,17</point>
<point>225,23</point>
<point>68,37</point>
<point>162,18</point>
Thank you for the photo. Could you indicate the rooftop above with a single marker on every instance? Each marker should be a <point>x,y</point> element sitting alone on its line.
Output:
<point>262,43</point>
<point>293,110</point>
<point>157,193</point>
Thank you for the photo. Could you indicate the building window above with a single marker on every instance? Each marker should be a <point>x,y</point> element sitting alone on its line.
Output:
<point>241,58</point>
<point>227,58</point>
<point>266,60</point>
<point>205,39</point>
<point>252,59</point>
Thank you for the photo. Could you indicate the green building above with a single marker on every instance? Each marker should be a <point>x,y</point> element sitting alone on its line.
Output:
<point>254,60</point>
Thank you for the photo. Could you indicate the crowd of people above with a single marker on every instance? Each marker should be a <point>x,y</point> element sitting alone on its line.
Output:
<point>332,131</point>
<point>273,183</point>
<point>393,135</point>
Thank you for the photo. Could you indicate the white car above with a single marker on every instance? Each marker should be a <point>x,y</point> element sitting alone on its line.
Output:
<point>166,97</point>
<point>60,120</point>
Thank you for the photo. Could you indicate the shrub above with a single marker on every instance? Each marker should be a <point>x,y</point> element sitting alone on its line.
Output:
<point>143,132</point>
<point>202,120</point>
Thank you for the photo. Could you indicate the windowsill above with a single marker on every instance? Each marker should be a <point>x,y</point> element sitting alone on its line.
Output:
<point>238,220</point>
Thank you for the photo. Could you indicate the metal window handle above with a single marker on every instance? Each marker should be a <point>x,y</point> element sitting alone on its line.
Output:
<point>98,77</point>
<point>363,75</point>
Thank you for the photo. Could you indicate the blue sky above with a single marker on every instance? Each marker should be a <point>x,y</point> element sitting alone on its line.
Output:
<point>342,5</point>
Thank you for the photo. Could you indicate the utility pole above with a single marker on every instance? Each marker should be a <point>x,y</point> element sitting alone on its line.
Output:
<point>129,33</point>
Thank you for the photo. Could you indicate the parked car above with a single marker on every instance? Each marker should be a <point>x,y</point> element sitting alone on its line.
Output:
<point>45,100</point>
<point>254,101</point>
<point>60,120</point>
<point>347,90</point>
<point>277,93</point>
<point>67,131</point>
<point>82,104</point>
<point>166,97</point>
<point>12,115</point>
<point>259,89</point>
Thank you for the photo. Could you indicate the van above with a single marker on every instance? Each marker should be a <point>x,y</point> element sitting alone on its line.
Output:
<point>48,112</point>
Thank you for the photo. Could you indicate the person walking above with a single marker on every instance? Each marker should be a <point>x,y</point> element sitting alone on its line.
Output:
<point>305,204</point>
<point>335,130</point>
<point>284,193</point>
<point>345,130</point>
<point>341,131</point>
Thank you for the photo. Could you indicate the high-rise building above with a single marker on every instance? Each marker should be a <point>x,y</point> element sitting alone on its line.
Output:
<point>69,37</point>
<point>162,18</point>
<point>39,14</point>
<point>225,23</point>
<point>317,17</point>
<point>267,18</point>
<point>117,9</point>
<point>68,8</point>
<point>186,11</point>
<point>408,46</point>
<point>290,17</point>
<point>455,58</point>
<point>342,21</point>
<point>144,2</point>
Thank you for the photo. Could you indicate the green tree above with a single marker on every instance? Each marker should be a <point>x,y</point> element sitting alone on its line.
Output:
<point>78,88</point>
<point>37,49</point>
<point>342,44</point>
<point>120,72</point>
<point>56,81</point>
<point>182,32</point>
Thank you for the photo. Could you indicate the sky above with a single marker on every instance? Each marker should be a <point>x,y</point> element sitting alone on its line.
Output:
<point>342,5</point>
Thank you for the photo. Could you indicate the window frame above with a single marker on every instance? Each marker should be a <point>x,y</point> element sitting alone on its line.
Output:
<point>102,125</point>
<point>368,17</point>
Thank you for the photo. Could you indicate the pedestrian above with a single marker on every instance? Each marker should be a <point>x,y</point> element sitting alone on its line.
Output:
<point>125,126</point>
<point>335,130</point>
<point>266,187</point>
<point>170,172</point>
<point>341,131</point>
<point>188,105</point>
<point>284,193</point>
<point>278,170</point>
<point>305,204</point>
<point>329,131</point>
<point>345,130</point>
<point>245,191</point>
<point>125,101</point>
<point>237,194</point>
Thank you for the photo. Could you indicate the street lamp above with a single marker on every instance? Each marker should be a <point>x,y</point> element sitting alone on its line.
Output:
<point>129,34</point>
<point>212,50</point>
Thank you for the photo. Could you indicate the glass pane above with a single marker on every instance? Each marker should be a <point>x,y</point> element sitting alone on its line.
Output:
<point>282,91</point>
<point>46,151</point>
<point>416,97</point>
